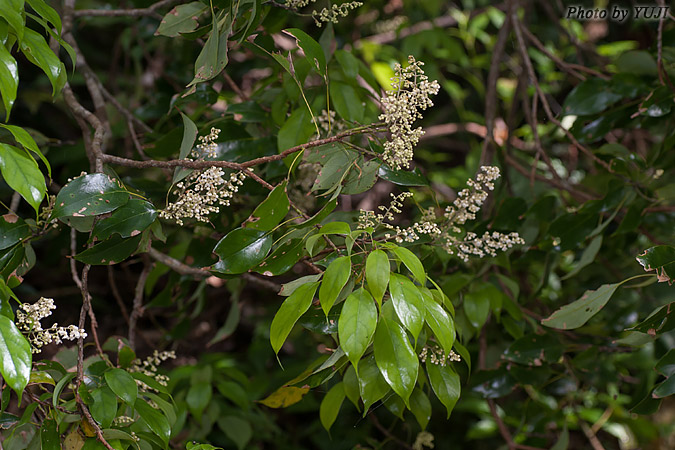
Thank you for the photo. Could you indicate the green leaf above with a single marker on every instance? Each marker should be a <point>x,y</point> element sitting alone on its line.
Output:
<point>128,221</point>
<point>241,249</point>
<point>420,407</point>
<point>403,177</point>
<point>89,195</point>
<point>661,259</point>
<point>181,19</point>
<point>282,259</point>
<point>313,51</point>
<point>235,393</point>
<point>411,261</point>
<point>408,304</point>
<point>357,324</point>
<point>290,287</point>
<point>46,12</point>
<point>109,252</point>
<point>395,357</point>
<point>587,257</point>
<point>271,211</point>
<point>439,321</point>
<point>22,174</point>
<point>377,274</point>
<point>477,307</point>
<point>580,311</point>
<point>12,230</point>
<point>237,429</point>
<point>213,57</point>
<point>334,170</point>
<point>348,62</point>
<point>346,101</point>
<point>49,435</point>
<point>122,384</point>
<point>665,389</point>
<point>155,420</point>
<point>198,397</point>
<point>361,177</point>
<point>534,350</point>
<point>15,356</point>
<point>372,384</point>
<point>9,79</point>
<point>297,129</point>
<point>637,62</point>
<point>26,140</point>
<point>189,136</point>
<point>37,51</point>
<point>666,365</point>
<point>445,383</point>
<point>103,406</point>
<point>330,405</point>
<point>589,97</point>
<point>289,313</point>
<point>334,279</point>
<point>659,322</point>
<point>11,11</point>
<point>351,386</point>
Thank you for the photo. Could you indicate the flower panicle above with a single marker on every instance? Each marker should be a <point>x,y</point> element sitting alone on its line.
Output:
<point>28,321</point>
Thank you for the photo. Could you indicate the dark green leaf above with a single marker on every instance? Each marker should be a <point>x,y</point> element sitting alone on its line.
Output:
<point>311,48</point>
<point>11,11</point>
<point>659,322</point>
<point>128,221</point>
<point>112,251</point>
<point>439,321</point>
<point>351,386</point>
<point>361,177</point>
<point>46,12</point>
<point>155,420</point>
<point>189,136</point>
<point>89,195</point>
<point>103,406</point>
<point>477,307</point>
<point>589,97</point>
<point>665,389</point>
<point>289,313</point>
<point>213,57</point>
<point>271,211</point>
<point>403,177</point>
<point>282,259</point>
<point>49,435</point>
<point>395,357</point>
<point>637,62</point>
<point>237,429</point>
<point>661,259</point>
<point>348,62</point>
<point>181,19</point>
<point>445,383</point>
<point>408,304</point>
<point>241,249</point>
<point>122,384</point>
<point>330,405</point>
<point>12,230</point>
<point>372,384</point>
<point>357,324</point>
<point>346,101</point>
<point>666,365</point>
<point>580,311</point>
<point>420,407</point>
<point>412,262</point>
<point>534,350</point>
<point>296,130</point>
<point>15,356</point>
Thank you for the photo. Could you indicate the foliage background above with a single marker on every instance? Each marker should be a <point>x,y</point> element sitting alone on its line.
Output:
<point>587,196</point>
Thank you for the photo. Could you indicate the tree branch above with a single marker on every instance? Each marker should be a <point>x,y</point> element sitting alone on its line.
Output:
<point>136,12</point>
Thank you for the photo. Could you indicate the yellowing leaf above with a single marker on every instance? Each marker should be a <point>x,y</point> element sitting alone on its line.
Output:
<point>284,397</point>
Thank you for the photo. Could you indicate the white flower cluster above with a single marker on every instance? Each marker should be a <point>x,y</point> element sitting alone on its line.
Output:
<point>149,368</point>
<point>470,200</point>
<point>333,13</point>
<point>437,356</point>
<point>487,244</point>
<point>401,107</point>
<point>409,234</point>
<point>207,146</point>
<point>370,219</point>
<point>28,322</point>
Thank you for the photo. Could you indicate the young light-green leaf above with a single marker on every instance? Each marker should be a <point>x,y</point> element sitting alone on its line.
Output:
<point>412,262</point>
<point>122,384</point>
<point>377,274</point>
<point>26,140</point>
<point>9,79</point>
<point>439,321</point>
<point>408,303</point>
<point>15,356</point>
<point>330,405</point>
<point>290,311</point>
<point>357,324</point>
<point>445,383</point>
<point>395,357</point>
<point>22,174</point>
<point>334,279</point>
<point>36,50</point>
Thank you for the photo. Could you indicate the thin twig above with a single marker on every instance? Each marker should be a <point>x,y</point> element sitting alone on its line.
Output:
<point>116,293</point>
<point>388,433</point>
<point>590,435</point>
<point>137,310</point>
<point>136,12</point>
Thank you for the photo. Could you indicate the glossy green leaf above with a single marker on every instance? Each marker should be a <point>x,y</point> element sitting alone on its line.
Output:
<point>289,313</point>
<point>89,195</point>
<point>46,12</point>
<point>445,383</point>
<point>290,287</point>
<point>241,249</point>
<point>311,48</point>
<point>181,19</point>
<point>237,429</point>
<point>22,174</point>
<point>12,230</point>
<point>589,97</point>
<point>26,140</point>
<point>122,384</point>
<point>372,384</point>
<point>408,303</point>
<point>128,220</point>
<point>109,252</point>
<point>9,79</point>
<point>103,406</point>
<point>660,259</point>
<point>282,259</point>
<point>346,101</point>
<point>357,324</point>
<point>403,177</point>
<point>213,57</point>
<point>37,51</point>
<point>351,386</point>
<point>155,420</point>
<point>334,279</point>
<point>439,321</point>
<point>580,311</point>
<point>420,407</point>
<point>330,405</point>
<point>49,435</point>
<point>11,11</point>
<point>395,357</point>
<point>377,273</point>
<point>271,211</point>
<point>665,389</point>
<point>15,356</point>
<point>412,262</point>
<point>187,143</point>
